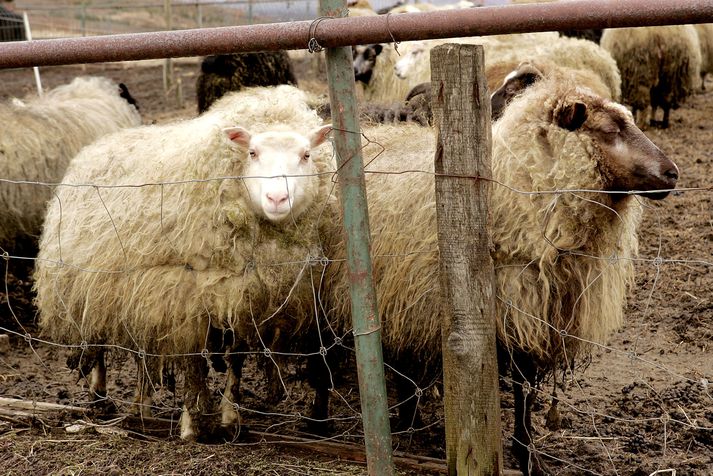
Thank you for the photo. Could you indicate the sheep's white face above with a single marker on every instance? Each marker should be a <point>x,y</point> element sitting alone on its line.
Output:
<point>280,174</point>
<point>407,62</point>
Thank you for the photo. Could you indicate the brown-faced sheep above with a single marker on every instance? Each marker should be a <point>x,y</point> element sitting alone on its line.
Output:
<point>659,67</point>
<point>563,259</point>
<point>705,40</point>
<point>38,139</point>
<point>223,73</point>
<point>190,227</point>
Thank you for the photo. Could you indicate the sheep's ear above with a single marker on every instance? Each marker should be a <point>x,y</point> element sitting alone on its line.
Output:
<point>318,136</point>
<point>377,49</point>
<point>238,135</point>
<point>571,116</point>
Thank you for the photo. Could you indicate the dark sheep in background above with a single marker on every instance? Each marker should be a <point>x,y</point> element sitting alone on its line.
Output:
<point>12,27</point>
<point>223,73</point>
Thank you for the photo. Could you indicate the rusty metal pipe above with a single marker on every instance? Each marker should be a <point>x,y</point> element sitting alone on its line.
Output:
<point>335,32</point>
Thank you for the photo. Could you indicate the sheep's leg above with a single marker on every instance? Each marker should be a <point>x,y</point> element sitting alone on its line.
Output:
<point>524,374</point>
<point>271,366</point>
<point>320,380</point>
<point>196,400</point>
<point>97,379</point>
<point>92,367</point>
<point>666,111</point>
<point>147,371</point>
<point>230,418</point>
<point>409,413</point>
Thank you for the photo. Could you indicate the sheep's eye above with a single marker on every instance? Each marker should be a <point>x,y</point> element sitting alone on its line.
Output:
<point>305,156</point>
<point>252,153</point>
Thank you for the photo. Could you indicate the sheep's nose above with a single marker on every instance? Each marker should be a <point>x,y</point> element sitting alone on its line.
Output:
<point>671,173</point>
<point>277,198</point>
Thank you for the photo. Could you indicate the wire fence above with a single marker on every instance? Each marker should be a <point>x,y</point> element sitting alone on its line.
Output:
<point>642,400</point>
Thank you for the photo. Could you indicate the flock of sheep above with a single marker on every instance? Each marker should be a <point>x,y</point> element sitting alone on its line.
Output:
<point>222,233</point>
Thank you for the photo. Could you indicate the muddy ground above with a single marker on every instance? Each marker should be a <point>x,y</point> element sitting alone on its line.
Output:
<point>643,404</point>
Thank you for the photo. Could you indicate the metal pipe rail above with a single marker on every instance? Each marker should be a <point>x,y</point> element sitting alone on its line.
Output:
<point>334,32</point>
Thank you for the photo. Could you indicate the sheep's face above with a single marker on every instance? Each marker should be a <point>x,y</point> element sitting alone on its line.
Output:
<point>364,60</point>
<point>629,161</point>
<point>517,81</point>
<point>281,176</point>
<point>407,62</point>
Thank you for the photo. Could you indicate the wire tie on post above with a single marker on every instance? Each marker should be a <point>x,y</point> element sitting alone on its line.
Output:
<point>393,40</point>
<point>313,45</point>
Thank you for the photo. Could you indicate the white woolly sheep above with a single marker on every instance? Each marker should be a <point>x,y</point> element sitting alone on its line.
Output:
<point>577,54</point>
<point>705,40</point>
<point>39,137</point>
<point>659,67</point>
<point>183,230</point>
<point>562,262</point>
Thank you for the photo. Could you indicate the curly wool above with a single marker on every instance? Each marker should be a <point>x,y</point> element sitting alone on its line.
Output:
<point>40,137</point>
<point>160,248</point>
<point>562,261</point>
<point>657,63</point>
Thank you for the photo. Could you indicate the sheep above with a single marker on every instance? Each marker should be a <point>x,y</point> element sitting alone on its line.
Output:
<point>705,40</point>
<point>12,27</point>
<point>222,73</point>
<point>659,67</point>
<point>40,135</point>
<point>562,261</point>
<point>171,241</point>
<point>573,53</point>
<point>529,72</point>
<point>517,77</point>
<point>409,111</point>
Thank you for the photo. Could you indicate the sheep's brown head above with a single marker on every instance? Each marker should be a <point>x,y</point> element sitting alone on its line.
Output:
<point>629,161</point>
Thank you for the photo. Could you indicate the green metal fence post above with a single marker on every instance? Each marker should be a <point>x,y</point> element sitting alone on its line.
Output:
<point>365,317</point>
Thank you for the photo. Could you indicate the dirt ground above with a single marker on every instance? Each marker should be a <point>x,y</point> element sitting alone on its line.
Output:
<point>643,404</point>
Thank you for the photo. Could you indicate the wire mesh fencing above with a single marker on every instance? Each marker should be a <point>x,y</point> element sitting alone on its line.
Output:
<point>640,400</point>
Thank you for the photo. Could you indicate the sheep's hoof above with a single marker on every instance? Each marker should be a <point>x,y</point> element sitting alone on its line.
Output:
<point>320,427</point>
<point>103,406</point>
<point>231,433</point>
<point>530,463</point>
<point>553,419</point>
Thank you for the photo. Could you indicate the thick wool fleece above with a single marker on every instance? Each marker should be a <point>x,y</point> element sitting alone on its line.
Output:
<point>163,244</point>
<point>40,137</point>
<point>562,261</point>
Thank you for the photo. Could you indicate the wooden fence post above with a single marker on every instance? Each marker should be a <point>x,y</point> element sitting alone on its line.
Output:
<point>461,109</point>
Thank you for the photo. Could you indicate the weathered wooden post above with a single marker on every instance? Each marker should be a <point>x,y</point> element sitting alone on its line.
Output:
<point>461,109</point>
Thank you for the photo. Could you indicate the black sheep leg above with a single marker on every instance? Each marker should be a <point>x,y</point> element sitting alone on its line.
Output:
<point>524,374</point>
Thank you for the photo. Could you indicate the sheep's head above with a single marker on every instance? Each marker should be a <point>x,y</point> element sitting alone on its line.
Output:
<point>524,76</point>
<point>629,161</point>
<point>406,63</point>
<point>364,60</point>
<point>280,174</point>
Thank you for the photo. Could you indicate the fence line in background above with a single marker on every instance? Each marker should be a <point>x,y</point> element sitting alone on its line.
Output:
<point>334,32</point>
